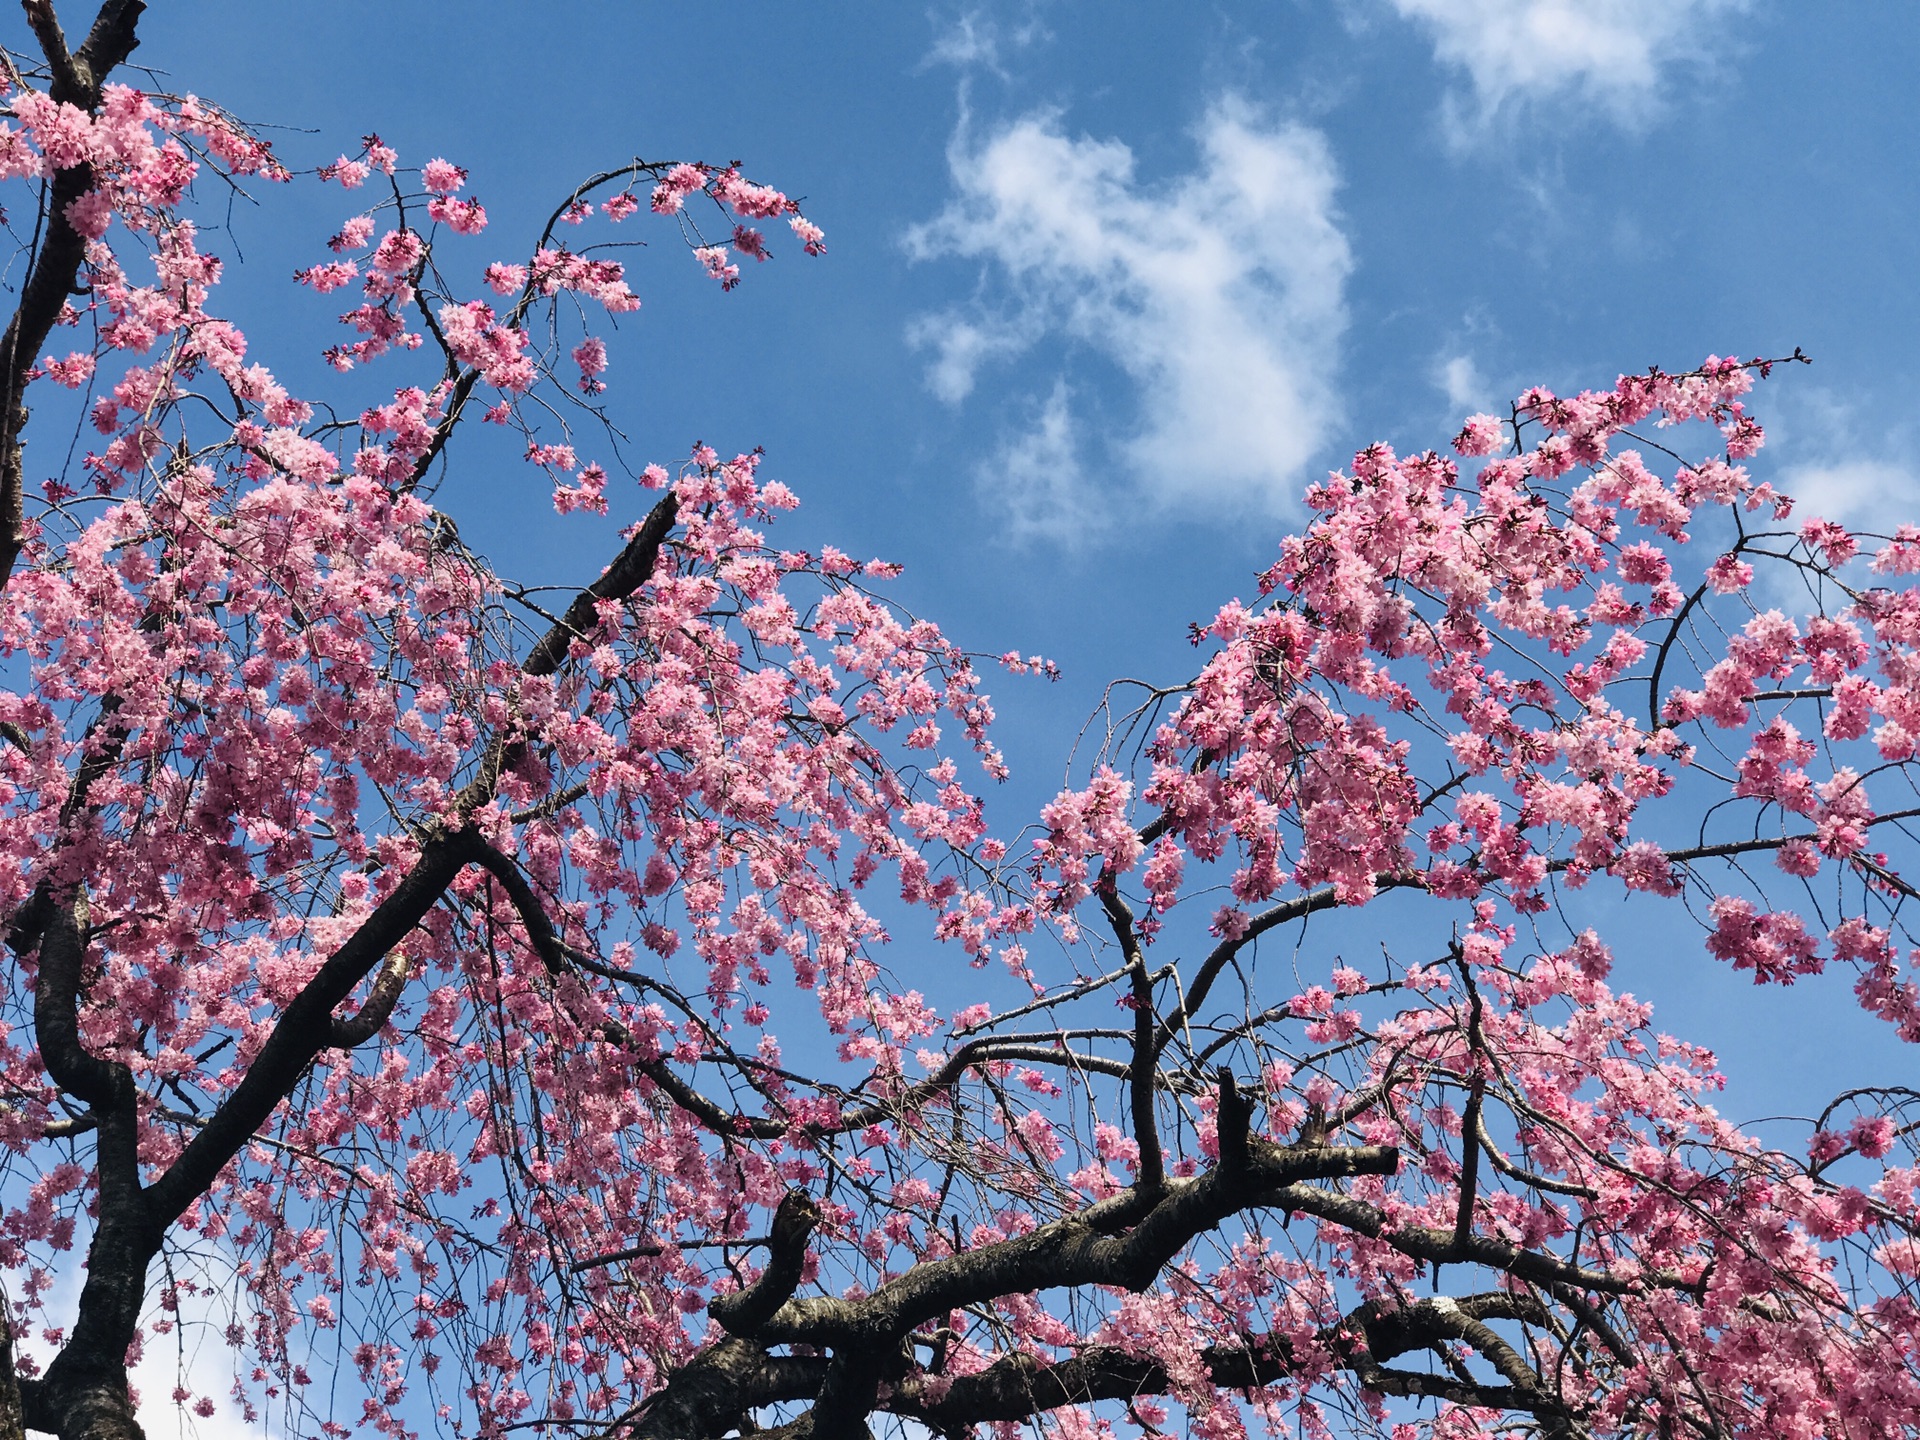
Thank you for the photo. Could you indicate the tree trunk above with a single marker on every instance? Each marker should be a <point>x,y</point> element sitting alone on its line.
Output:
<point>84,1395</point>
<point>13,1425</point>
<point>94,1406</point>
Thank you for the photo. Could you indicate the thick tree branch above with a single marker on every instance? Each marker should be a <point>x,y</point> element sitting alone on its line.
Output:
<point>1471,1124</point>
<point>85,1388</point>
<point>101,747</point>
<point>375,1009</point>
<point>719,1390</point>
<point>13,1421</point>
<point>306,1027</point>
<point>67,82</point>
<point>631,569</point>
<point>1146,1125</point>
<point>110,40</point>
<point>720,1386</point>
<point>745,1311</point>
<point>1022,1386</point>
<point>98,1083</point>
<point>1438,1247</point>
<point>1233,1127</point>
<point>443,432</point>
<point>1527,1177</point>
<point>1076,1250</point>
<point>1431,1325</point>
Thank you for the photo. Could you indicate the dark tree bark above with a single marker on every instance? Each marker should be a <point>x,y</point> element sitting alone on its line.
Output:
<point>12,1420</point>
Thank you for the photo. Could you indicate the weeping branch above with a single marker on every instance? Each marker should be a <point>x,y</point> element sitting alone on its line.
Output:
<point>61,250</point>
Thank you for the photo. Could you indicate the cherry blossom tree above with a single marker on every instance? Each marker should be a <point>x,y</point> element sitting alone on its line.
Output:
<point>395,959</point>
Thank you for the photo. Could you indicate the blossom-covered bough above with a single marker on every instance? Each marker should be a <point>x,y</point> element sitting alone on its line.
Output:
<point>395,960</point>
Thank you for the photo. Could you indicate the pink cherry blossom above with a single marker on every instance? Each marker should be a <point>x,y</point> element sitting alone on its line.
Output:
<point>615,1009</point>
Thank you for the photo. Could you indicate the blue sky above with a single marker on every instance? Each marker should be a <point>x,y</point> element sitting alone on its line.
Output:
<point>1107,283</point>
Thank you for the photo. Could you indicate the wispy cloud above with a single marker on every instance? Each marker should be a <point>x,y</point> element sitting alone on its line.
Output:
<point>1614,55</point>
<point>1035,480</point>
<point>192,1358</point>
<point>1839,459</point>
<point>1460,380</point>
<point>974,38</point>
<point>1218,295</point>
<point>1867,494</point>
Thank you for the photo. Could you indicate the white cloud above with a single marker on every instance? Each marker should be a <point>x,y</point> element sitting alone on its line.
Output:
<point>1609,53</point>
<point>976,40</point>
<point>1870,495</point>
<point>970,40</point>
<point>1218,294</point>
<point>1838,460</point>
<point>194,1356</point>
<point>1036,483</point>
<point>1460,380</point>
<point>960,347</point>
